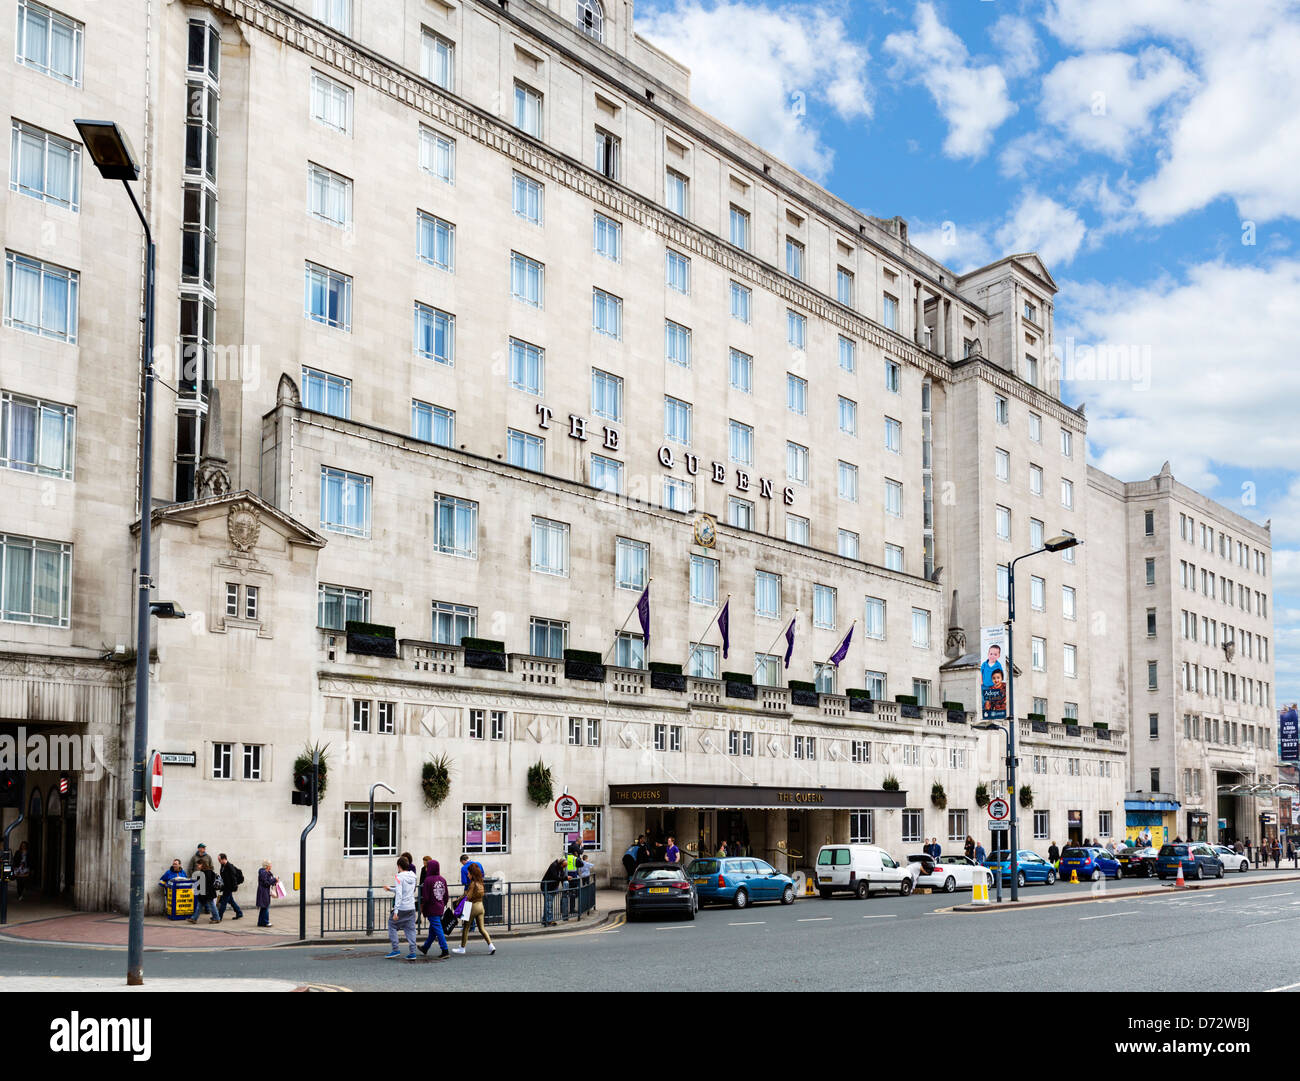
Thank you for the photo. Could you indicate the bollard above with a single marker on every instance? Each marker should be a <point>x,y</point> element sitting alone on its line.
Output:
<point>980,889</point>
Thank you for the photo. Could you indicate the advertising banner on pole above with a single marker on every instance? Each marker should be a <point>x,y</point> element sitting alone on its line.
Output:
<point>1288,731</point>
<point>993,673</point>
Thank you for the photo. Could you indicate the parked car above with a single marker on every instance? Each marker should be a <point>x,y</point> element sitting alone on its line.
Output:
<point>1090,864</point>
<point>1231,859</point>
<point>1197,859</point>
<point>947,873</point>
<point>1138,862</point>
<point>738,881</point>
<point>1031,867</point>
<point>859,869</point>
<point>661,888</point>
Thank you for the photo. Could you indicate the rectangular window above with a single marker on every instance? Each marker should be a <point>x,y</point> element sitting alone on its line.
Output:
<point>848,354</point>
<point>889,312</point>
<point>606,313</point>
<point>920,628</point>
<point>329,196</point>
<point>358,829</point>
<point>344,502</point>
<point>824,607</point>
<point>848,544</point>
<point>796,329</point>
<point>1002,464</point>
<point>452,622</point>
<point>547,638</point>
<point>232,600</point>
<point>433,423</point>
<point>631,563</point>
<point>1070,661</point>
<point>1035,427</point>
<point>329,297</point>
<point>893,435</point>
<point>526,451</point>
<point>331,103</point>
<point>894,498</point>
<point>1002,520</point>
<point>37,436</point>
<point>1149,523</point>
<point>739,228</point>
<point>704,580</point>
<point>677,421</point>
<point>679,495</point>
<point>844,285</point>
<point>677,193</point>
<point>740,302</point>
<point>486,828</point>
<point>957,830</point>
<point>250,602</point>
<point>874,624</point>
<point>45,166</point>
<point>606,395</point>
<point>796,463</point>
<point>607,238</point>
<point>437,59</point>
<point>893,377</point>
<point>527,367</point>
<point>1035,534</point>
<point>1000,407</point>
<point>1151,572</point>
<point>336,606</point>
<point>360,715</point>
<point>1067,493</point>
<point>742,371</point>
<point>794,258</point>
<point>1067,602</point>
<point>222,755</point>
<point>796,394</point>
<point>527,280</point>
<point>875,684</point>
<point>893,557</point>
<point>49,42</point>
<point>629,651</point>
<point>677,273</point>
<point>1041,825</point>
<point>252,762</point>
<point>41,298</point>
<point>606,474</point>
<point>848,411</point>
<point>797,530</point>
<point>912,827</point>
<point>437,155</point>
<point>550,547</point>
<point>767,670</point>
<point>1067,443</point>
<point>740,512</point>
<point>455,526</point>
<point>1037,593</point>
<point>1039,654</point>
<point>848,481</point>
<point>1153,675</point>
<point>35,581</point>
<point>703,663</point>
<point>861,828</point>
<point>498,718</point>
<point>677,344</point>
<point>767,594</point>
<point>741,442</point>
<point>607,154</point>
<point>1151,622</point>
<point>435,241</point>
<point>435,334</point>
<point>526,199</point>
<point>1036,479</point>
<point>386,718</point>
<point>528,110</point>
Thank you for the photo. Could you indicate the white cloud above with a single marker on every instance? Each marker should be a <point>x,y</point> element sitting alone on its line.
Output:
<point>973,100</point>
<point>1285,514</point>
<point>763,72</point>
<point>1039,223</point>
<point>1016,41</point>
<point>1187,364</point>
<point>1105,101</point>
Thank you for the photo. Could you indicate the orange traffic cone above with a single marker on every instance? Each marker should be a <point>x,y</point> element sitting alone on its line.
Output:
<point>1180,883</point>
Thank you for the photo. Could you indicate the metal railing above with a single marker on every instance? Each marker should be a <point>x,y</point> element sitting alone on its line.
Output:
<point>508,905</point>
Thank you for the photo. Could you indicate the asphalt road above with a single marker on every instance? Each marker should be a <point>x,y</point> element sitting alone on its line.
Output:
<point>1236,939</point>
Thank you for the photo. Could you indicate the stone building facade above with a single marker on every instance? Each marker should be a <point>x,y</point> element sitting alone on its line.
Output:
<point>402,387</point>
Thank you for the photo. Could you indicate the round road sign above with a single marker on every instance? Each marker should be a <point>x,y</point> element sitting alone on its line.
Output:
<point>566,808</point>
<point>999,809</point>
<point>155,780</point>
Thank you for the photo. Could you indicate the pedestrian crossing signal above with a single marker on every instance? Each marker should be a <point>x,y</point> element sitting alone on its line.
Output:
<point>303,782</point>
<point>11,788</point>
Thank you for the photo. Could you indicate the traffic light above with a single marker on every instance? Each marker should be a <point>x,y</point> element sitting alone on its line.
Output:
<point>303,782</point>
<point>11,788</point>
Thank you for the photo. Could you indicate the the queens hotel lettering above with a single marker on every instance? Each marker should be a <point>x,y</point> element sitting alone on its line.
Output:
<point>717,471</point>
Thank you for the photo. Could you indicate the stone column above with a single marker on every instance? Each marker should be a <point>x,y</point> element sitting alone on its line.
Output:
<point>918,329</point>
<point>778,838</point>
<point>941,325</point>
<point>688,833</point>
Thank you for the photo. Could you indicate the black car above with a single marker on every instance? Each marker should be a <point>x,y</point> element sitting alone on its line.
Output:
<point>661,888</point>
<point>1138,862</point>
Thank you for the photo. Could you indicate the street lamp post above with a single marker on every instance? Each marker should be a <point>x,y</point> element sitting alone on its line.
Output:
<point>370,856</point>
<point>109,149</point>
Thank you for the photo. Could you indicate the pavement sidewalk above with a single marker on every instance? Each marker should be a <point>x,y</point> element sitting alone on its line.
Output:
<point>1255,877</point>
<point>152,985</point>
<point>42,922</point>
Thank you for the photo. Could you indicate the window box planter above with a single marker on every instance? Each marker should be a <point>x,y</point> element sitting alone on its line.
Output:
<point>1103,733</point>
<point>667,677</point>
<point>1038,726</point>
<point>583,665</point>
<point>739,685</point>
<point>803,693</point>
<point>956,716</point>
<point>860,701</point>
<point>914,712</point>
<point>484,653</point>
<point>371,639</point>
<point>1071,729</point>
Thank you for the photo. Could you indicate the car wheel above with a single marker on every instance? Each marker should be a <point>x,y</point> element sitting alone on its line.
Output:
<point>1096,875</point>
<point>1119,873</point>
<point>950,885</point>
<point>691,914</point>
<point>1245,866</point>
<point>1200,872</point>
<point>825,894</point>
<point>742,898</point>
<point>1220,872</point>
<point>905,887</point>
<point>1051,878</point>
<point>787,895</point>
<point>862,892</point>
<point>1020,879</point>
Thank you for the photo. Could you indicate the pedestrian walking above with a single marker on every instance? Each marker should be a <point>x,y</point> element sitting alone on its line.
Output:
<point>979,853</point>
<point>200,854</point>
<point>465,864</point>
<point>552,883</point>
<point>1259,848</point>
<point>970,847</point>
<point>473,912</point>
<point>22,870</point>
<point>265,882</point>
<point>205,892</point>
<point>722,850</point>
<point>433,898</point>
<point>1053,854</point>
<point>572,866</point>
<point>231,879</point>
<point>1291,852</point>
<point>403,916</point>
<point>1248,849</point>
<point>1277,854</point>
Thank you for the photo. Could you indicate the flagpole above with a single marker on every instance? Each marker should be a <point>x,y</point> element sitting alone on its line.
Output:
<point>850,631</point>
<point>784,627</point>
<point>716,612</point>
<point>629,616</point>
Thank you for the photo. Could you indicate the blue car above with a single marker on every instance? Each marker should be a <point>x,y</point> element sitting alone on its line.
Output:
<point>1030,867</point>
<point>1197,859</point>
<point>1090,864</point>
<point>739,881</point>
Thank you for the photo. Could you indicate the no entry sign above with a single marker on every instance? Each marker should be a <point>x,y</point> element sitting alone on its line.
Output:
<point>999,809</point>
<point>155,780</point>
<point>567,808</point>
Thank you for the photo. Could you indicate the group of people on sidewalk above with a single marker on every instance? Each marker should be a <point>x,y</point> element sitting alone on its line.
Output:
<point>564,877</point>
<point>215,887</point>
<point>1267,849</point>
<point>430,893</point>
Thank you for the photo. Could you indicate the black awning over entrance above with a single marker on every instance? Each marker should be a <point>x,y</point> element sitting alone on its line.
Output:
<point>750,797</point>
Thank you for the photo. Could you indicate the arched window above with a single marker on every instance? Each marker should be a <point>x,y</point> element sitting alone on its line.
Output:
<point>591,20</point>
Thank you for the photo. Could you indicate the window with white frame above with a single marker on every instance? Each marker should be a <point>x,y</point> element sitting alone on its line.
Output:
<point>703,661</point>
<point>677,344</point>
<point>1067,443</point>
<point>528,110</point>
<point>740,512</point>
<point>861,827</point>
<point>860,751</point>
<point>606,314</point>
<point>740,442</point>
<point>607,154</point>
<point>678,495</point>
<point>848,354</point>
<point>796,394</point>
<point>704,580</point>
<point>527,280</point>
<point>824,606</point>
<point>433,423</point>
<point>824,678</point>
<point>847,475</point>
<point>485,828</point>
<point>894,498</point>
<point>893,377</point>
<point>437,155</point>
<point>455,526</point>
<point>1068,602</point>
<point>912,827</point>
<point>386,718</point>
<point>435,334</point>
<point>893,435</point>
<point>41,298</point>
<point>874,623</point>
<point>35,581</point>
<point>331,103</point>
<point>876,685</point>
<point>336,606</point>
<point>550,547</point>
<point>435,241</point>
<point>1001,464</point>
<point>50,42</point>
<point>607,474</point>
<point>631,563</point>
<point>607,395</point>
<point>325,393</point>
<point>527,366</point>
<point>957,826</point>
<point>45,166</point>
<point>1002,519</point>
<point>893,557</point>
<point>741,297</point>
<point>526,198</point>
<point>794,261</point>
<point>677,192</point>
<point>1041,820</point>
<point>677,272</point>
<point>796,463</point>
<point>889,312</point>
<point>742,371</point>
<point>1071,661</point>
<point>796,329</point>
<point>329,297</point>
<point>629,650</point>
<point>607,237</point>
<point>329,196</point>
<point>37,436</point>
<point>798,530</point>
<point>1035,427</point>
<point>526,450</point>
<point>344,502</point>
<point>767,594</point>
<point>1000,407</point>
<point>844,285</point>
<point>1038,653</point>
<point>738,224</point>
<point>767,670</point>
<point>437,59</point>
<point>335,13</point>
<point>1035,534</point>
<point>252,761</point>
<point>848,543</point>
<point>1038,593</point>
<point>920,628</point>
<point>1067,493</point>
<point>848,412</point>
<point>359,834</point>
<point>1004,582</point>
<point>452,622</point>
<point>223,761</point>
<point>547,637</point>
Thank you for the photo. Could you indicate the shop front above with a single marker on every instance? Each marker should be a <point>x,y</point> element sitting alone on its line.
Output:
<point>1198,826</point>
<point>1156,818</point>
<point>784,826</point>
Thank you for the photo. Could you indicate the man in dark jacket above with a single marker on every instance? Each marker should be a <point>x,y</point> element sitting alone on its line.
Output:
<point>1053,854</point>
<point>231,877</point>
<point>552,882</point>
<point>630,857</point>
<point>433,898</point>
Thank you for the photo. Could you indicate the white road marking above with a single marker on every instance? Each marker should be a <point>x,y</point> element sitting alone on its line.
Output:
<point>814,919</point>
<point>1266,896</point>
<point>885,916</point>
<point>1288,919</point>
<point>1109,915</point>
<point>751,923</point>
<point>679,927</point>
<point>1288,987</point>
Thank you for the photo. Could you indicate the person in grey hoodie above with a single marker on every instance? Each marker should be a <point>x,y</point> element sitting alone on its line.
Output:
<point>403,917</point>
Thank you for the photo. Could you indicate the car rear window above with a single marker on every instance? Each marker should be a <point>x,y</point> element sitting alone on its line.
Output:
<point>1173,850</point>
<point>659,874</point>
<point>837,856</point>
<point>998,857</point>
<point>1075,854</point>
<point>704,867</point>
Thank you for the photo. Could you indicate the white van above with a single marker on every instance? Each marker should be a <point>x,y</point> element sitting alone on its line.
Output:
<point>859,869</point>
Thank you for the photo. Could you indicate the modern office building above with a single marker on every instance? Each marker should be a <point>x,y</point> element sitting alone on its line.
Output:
<point>474,333</point>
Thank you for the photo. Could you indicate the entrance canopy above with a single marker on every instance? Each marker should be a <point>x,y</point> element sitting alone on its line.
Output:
<point>750,797</point>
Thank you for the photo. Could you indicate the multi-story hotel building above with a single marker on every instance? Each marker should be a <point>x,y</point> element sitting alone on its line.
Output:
<point>476,330</point>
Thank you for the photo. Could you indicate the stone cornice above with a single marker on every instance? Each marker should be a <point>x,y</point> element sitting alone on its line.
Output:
<point>983,368</point>
<point>382,75</point>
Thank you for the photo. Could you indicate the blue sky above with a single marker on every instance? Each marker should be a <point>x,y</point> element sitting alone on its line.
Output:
<point>1148,149</point>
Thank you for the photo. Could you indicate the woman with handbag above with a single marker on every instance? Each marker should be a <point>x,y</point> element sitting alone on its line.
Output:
<point>265,883</point>
<point>473,910</point>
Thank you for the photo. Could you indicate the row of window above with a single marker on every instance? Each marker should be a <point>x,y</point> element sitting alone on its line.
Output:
<point>1234,733</point>
<point>1245,598</point>
<point>1199,679</point>
<point>1002,470</point>
<point>1203,534</point>
<point>1251,644</point>
<point>485,828</point>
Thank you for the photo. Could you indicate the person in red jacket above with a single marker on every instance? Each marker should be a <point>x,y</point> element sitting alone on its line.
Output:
<point>433,897</point>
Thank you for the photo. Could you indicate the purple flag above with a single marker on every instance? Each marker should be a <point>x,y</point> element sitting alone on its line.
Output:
<point>643,612</point>
<point>789,643</point>
<point>843,651</point>
<point>724,625</point>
